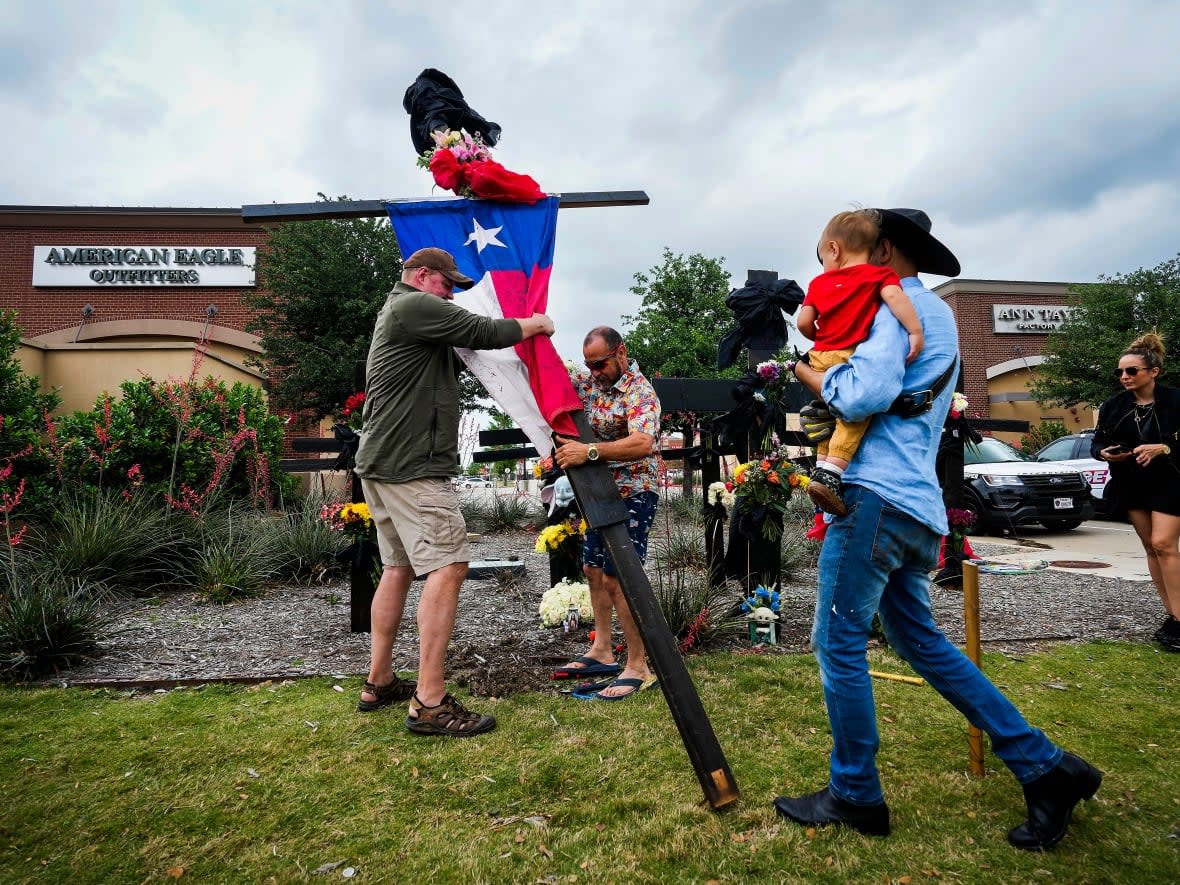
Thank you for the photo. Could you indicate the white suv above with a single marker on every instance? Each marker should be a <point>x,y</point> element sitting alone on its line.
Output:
<point>1074,451</point>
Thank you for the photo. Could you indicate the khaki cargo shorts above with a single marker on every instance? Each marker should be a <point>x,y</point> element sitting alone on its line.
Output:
<point>418,523</point>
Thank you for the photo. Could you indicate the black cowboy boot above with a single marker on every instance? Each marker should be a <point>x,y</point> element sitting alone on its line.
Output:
<point>1051,799</point>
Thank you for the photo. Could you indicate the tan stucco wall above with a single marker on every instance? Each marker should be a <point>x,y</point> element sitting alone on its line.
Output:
<point>83,372</point>
<point>1016,383</point>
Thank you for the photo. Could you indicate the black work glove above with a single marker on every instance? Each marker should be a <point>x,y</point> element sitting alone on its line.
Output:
<point>816,422</point>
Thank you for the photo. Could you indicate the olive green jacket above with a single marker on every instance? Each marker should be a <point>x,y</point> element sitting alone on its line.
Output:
<point>411,416</point>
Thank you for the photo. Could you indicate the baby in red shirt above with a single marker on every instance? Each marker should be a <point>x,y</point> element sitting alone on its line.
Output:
<point>836,315</point>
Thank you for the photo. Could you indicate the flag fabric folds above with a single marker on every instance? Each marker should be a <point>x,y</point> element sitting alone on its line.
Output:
<point>507,248</point>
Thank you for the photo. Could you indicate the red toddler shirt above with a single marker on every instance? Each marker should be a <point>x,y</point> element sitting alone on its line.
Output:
<point>845,301</point>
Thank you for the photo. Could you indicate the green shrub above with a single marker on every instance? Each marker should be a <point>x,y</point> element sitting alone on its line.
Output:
<point>22,420</point>
<point>682,547</point>
<point>102,538</point>
<point>49,618</point>
<point>305,546</point>
<point>1041,435</point>
<point>683,509</point>
<point>188,441</point>
<point>698,615</point>
<point>796,550</point>
<point>236,557</point>
<point>510,513</point>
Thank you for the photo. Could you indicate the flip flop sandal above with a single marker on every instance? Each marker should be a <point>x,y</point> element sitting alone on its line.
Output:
<point>397,690</point>
<point>590,667</point>
<point>586,687</point>
<point>636,686</point>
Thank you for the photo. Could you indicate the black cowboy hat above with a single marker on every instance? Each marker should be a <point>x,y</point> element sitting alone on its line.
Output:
<point>909,230</point>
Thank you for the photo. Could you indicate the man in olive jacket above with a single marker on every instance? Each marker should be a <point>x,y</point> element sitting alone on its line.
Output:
<point>408,452</point>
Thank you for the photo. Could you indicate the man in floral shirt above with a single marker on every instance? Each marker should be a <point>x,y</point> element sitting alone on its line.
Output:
<point>624,414</point>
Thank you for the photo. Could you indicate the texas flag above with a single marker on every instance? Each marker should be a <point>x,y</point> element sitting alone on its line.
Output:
<point>507,248</point>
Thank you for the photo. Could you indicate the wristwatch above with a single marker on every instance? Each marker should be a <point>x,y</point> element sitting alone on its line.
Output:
<point>592,452</point>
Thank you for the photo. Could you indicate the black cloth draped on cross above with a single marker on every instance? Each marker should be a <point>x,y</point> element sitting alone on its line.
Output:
<point>435,103</point>
<point>758,308</point>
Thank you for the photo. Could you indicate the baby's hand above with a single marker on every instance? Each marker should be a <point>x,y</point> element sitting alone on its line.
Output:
<point>917,342</point>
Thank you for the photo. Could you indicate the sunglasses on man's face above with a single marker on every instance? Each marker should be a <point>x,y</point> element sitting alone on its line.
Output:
<point>1130,370</point>
<point>599,365</point>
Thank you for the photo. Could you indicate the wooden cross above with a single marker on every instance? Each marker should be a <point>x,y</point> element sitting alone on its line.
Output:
<point>603,508</point>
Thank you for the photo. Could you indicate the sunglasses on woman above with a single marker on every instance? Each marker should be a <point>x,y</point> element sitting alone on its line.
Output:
<point>1130,370</point>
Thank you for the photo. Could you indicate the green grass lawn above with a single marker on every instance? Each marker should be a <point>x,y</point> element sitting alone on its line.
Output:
<point>274,782</point>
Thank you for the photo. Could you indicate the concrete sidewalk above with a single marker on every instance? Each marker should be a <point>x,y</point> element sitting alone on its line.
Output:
<point>1097,547</point>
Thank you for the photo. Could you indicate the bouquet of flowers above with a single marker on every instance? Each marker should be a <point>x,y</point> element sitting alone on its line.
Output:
<point>760,395</point>
<point>960,521</point>
<point>353,520</point>
<point>353,410</point>
<point>557,538</point>
<point>762,488</point>
<point>462,163</point>
<point>559,599</point>
<point>761,598</point>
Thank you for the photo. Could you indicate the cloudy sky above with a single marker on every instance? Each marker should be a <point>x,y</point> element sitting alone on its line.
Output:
<point>1042,137</point>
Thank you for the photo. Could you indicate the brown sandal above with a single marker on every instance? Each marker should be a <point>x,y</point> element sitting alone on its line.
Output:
<point>448,717</point>
<point>397,690</point>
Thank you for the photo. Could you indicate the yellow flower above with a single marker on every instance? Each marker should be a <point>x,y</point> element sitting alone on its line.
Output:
<point>740,470</point>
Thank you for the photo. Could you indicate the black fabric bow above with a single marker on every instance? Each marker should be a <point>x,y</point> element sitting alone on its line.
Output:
<point>435,102</point>
<point>752,414</point>
<point>349,441</point>
<point>359,553</point>
<point>758,308</point>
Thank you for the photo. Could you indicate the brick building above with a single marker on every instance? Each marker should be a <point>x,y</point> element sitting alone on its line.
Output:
<point>105,294</point>
<point>1003,327</point>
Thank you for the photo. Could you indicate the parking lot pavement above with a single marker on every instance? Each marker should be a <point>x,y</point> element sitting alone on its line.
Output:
<point>1099,548</point>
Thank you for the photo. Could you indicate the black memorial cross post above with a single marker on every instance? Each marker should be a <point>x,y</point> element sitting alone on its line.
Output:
<point>603,508</point>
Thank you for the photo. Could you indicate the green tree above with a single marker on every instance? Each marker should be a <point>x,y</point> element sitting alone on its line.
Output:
<point>682,315</point>
<point>320,286</point>
<point>1081,355</point>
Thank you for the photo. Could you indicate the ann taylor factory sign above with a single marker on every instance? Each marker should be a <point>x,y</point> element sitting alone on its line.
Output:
<point>1028,319</point>
<point>143,266</point>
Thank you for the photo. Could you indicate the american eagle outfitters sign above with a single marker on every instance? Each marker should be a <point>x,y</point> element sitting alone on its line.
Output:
<point>143,266</point>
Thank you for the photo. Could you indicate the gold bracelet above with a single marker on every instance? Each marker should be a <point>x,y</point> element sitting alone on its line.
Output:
<point>1167,449</point>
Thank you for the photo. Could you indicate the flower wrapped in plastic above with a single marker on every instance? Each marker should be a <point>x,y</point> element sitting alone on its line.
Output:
<point>762,487</point>
<point>557,538</point>
<point>560,598</point>
<point>353,520</point>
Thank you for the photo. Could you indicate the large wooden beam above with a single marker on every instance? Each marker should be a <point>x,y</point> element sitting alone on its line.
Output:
<point>598,497</point>
<point>263,212</point>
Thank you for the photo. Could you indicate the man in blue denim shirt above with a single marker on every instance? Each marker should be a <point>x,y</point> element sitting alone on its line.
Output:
<point>877,559</point>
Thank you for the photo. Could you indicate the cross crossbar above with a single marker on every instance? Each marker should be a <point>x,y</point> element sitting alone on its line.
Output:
<point>262,212</point>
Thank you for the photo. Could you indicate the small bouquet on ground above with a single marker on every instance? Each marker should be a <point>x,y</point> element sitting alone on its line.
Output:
<point>762,487</point>
<point>761,598</point>
<point>562,600</point>
<point>462,163</point>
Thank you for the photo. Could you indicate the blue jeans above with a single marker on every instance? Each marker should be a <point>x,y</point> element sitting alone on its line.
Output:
<point>877,559</point>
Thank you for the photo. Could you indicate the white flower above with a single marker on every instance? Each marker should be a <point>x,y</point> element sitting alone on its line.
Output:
<point>556,602</point>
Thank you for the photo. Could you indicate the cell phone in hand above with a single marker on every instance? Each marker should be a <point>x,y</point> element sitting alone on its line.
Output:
<point>1119,449</point>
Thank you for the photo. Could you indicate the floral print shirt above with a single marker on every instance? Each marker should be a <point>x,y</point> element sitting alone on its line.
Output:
<point>630,406</point>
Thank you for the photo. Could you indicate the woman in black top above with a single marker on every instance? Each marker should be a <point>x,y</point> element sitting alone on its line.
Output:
<point>1139,434</point>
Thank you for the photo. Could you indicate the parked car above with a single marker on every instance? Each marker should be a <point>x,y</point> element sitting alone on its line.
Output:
<point>1007,488</point>
<point>1074,451</point>
<point>475,482</point>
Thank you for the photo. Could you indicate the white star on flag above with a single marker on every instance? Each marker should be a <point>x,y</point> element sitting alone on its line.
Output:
<point>482,236</point>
